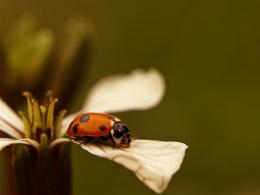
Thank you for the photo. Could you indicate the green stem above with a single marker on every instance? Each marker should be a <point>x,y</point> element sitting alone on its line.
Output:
<point>45,172</point>
<point>23,172</point>
<point>62,164</point>
<point>43,169</point>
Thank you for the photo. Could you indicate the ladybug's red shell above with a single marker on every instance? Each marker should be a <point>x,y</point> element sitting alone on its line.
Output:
<point>92,124</point>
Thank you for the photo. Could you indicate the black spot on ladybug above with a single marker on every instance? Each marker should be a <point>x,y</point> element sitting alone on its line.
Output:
<point>84,119</point>
<point>102,127</point>
<point>75,128</point>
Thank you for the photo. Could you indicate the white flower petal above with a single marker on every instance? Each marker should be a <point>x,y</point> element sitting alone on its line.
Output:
<point>9,116</point>
<point>58,141</point>
<point>11,131</point>
<point>65,124</point>
<point>153,162</point>
<point>138,90</point>
<point>32,142</point>
<point>4,142</point>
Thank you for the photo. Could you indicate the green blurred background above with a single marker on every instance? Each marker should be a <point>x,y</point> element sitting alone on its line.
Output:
<point>208,52</point>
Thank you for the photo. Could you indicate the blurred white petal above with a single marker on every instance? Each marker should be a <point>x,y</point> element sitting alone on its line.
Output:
<point>32,142</point>
<point>153,162</point>
<point>4,142</point>
<point>138,90</point>
<point>65,124</point>
<point>58,141</point>
<point>11,131</point>
<point>7,115</point>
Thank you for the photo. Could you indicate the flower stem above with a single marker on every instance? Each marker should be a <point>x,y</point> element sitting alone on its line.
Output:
<point>43,170</point>
<point>46,172</point>
<point>62,165</point>
<point>23,172</point>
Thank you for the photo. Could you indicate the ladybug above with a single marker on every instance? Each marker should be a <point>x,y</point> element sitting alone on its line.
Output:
<point>99,128</point>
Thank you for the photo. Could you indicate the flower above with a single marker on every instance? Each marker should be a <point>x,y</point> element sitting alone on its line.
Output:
<point>153,162</point>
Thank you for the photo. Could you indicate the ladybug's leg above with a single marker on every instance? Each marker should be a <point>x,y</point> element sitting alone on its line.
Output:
<point>94,140</point>
<point>74,138</point>
<point>83,140</point>
<point>107,140</point>
<point>88,139</point>
<point>80,139</point>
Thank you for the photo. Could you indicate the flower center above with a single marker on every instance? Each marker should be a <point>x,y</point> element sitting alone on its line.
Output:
<point>40,120</point>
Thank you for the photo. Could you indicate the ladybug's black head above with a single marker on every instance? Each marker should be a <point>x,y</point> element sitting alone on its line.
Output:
<point>121,135</point>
